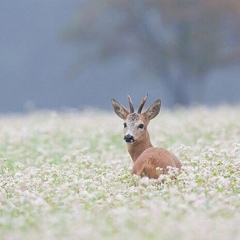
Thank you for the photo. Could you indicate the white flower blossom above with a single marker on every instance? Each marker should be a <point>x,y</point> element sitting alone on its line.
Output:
<point>68,176</point>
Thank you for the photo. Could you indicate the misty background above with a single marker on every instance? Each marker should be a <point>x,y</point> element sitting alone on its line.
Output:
<point>81,53</point>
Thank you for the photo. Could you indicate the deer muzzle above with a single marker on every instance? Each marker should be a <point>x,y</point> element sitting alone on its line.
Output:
<point>129,138</point>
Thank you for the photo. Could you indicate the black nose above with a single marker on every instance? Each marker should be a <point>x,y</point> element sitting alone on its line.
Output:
<point>129,138</point>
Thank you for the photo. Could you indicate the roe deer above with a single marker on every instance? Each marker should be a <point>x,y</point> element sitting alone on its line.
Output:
<point>146,158</point>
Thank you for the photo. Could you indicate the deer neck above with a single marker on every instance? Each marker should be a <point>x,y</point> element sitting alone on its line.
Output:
<point>137,148</point>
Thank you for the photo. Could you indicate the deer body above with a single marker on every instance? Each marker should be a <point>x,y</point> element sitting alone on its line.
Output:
<point>146,158</point>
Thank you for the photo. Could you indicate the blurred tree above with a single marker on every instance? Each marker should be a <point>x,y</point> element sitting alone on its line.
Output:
<point>178,40</point>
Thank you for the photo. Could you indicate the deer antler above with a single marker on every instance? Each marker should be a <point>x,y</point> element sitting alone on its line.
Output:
<point>142,104</point>
<point>130,104</point>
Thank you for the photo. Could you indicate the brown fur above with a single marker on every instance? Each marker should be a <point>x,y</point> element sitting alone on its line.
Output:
<point>146,158</point>
<point>153,158</point>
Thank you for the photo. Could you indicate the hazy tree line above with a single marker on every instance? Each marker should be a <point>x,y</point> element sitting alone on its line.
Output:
<point>178,40</point>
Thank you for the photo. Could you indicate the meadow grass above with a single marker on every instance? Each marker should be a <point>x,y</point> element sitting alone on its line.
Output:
<point>67,176</point>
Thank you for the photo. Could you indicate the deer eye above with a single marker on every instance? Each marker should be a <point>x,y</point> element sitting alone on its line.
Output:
<point>141,126</point>
<point>125,125</point>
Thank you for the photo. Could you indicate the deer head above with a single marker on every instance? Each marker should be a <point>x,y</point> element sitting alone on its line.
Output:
<point>135,123</point>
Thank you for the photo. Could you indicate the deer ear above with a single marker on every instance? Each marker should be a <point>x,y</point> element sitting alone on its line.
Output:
<point>153,110</point>
<point>120,110</point>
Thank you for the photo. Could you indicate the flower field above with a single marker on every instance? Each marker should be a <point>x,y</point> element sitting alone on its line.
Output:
<point>67,176</point>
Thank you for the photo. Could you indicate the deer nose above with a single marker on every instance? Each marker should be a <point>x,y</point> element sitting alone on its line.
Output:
<point>128,138</point>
